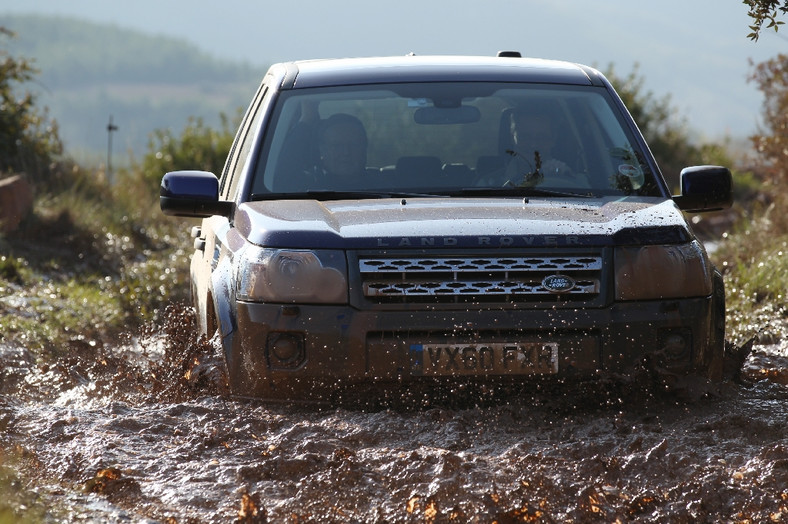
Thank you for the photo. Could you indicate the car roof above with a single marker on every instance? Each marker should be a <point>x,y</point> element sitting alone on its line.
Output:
<point>412,68</point>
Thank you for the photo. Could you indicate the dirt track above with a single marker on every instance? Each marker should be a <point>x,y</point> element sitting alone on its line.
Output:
<point>115,433</point>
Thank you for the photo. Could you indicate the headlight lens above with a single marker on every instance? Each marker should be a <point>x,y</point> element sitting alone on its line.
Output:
<point>293,276</point>
<point>664,271</point>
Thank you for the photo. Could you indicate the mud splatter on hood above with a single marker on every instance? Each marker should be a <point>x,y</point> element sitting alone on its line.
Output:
<point>464,221</point>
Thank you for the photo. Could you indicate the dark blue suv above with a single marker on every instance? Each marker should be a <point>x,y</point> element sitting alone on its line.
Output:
<point>393,222</point>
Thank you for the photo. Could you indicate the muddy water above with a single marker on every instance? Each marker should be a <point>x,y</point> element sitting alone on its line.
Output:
<point>141,430</point>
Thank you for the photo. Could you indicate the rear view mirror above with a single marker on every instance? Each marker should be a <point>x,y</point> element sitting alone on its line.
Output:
<point>432,115</point>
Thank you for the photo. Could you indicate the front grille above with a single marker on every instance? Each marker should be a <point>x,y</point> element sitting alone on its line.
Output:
<point>479,279</point>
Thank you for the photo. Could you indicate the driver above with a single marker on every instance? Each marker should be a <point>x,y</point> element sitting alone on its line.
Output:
<point>342,146</point>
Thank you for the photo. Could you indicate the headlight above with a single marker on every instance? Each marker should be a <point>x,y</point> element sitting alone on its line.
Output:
<point>665,271</point>
<point>290,276</point>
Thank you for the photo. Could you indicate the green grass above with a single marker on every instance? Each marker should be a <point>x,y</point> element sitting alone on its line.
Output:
<point>49,312</point>
<point>89,264</point>
<point>754,259</point>
<point>18,504</point>
<point>13,270</point>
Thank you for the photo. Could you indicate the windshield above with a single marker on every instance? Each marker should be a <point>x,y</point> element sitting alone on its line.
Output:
<point>449,139</point>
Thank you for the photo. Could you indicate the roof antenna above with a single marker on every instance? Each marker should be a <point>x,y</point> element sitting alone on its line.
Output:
<point>510,54</point>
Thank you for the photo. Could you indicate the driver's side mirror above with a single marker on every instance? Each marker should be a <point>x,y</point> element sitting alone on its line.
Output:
<point>705,188</point>
<point>192,194</point>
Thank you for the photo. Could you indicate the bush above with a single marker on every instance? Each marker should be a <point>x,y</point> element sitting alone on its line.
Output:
<point>29,140</point>
<point>198,147</point>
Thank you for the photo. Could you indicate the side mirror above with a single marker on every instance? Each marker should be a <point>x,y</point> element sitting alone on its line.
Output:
<point>705,188</point>
<point>192,194</point>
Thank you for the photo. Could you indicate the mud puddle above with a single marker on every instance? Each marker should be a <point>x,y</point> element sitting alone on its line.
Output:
<point>139,432</point>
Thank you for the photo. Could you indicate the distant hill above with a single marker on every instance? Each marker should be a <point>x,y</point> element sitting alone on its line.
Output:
<point>89,72</point>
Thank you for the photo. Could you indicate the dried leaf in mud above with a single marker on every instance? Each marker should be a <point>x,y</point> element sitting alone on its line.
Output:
<point>595,504</point>
<point>522,514</point>
<point>412,504</point>
<point>111,483</point>
<point>252,510</point>
<point>431,511</point>
<point>776,376</point>
<point>643,503</point>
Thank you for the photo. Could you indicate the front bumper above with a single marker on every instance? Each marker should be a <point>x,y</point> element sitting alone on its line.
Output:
<point>326,347</point>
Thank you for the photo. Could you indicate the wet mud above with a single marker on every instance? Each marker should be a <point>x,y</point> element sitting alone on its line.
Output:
<point>143,430</point>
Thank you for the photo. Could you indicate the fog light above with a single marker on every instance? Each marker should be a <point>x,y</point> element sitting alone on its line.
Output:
<point>285,350</point>
<point>677,345</point>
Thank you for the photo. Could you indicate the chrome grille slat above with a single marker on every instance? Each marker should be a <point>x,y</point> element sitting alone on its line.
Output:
<point>514,279</point>
<point>582,263</point>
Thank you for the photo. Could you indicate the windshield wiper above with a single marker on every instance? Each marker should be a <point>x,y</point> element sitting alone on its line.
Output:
<point>518,191</point>
<point>444,193</point>
<point>342,195</point>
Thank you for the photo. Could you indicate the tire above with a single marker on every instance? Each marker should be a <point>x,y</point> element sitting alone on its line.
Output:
<point>716,344</point>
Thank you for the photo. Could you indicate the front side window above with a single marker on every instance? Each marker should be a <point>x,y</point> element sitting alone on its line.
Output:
<point>445,138</point>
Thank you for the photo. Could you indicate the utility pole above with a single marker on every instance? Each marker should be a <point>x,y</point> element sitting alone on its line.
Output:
<point>110,128</point>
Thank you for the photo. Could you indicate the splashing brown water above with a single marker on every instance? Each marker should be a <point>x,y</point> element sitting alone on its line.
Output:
<point>144,429</point>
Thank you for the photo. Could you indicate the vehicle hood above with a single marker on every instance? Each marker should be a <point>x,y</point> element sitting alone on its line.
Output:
<point>460,222</point>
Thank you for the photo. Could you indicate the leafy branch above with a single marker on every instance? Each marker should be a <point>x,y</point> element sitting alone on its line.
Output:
<point>765,12</point>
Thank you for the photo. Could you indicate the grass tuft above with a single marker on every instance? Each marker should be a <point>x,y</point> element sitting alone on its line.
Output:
<point>754,260</point>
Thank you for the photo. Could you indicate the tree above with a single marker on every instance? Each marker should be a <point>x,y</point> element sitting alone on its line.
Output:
<point>772,141</point>
<point>765,12</point>
<point>29,140</point>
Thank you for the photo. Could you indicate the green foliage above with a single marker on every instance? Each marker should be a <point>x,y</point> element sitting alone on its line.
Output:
<point>198,147</point>
<point>747,185</point>
<point>755,255</point>
<point>80,268</point>
<point>755,263</point>
<point>764,12</point>
<point>29,141</point>
<point>19,505</point>
<point>665,132</point>
<point>12,269</point>
<point>771,143</point>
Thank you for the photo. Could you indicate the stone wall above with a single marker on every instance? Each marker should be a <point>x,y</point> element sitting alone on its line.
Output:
<point>16,200</point>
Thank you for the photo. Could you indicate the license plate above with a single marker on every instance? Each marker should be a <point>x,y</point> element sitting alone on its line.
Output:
<point>520,358</point>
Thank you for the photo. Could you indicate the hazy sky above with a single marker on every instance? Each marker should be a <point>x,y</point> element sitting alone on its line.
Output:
<point>695,50</point>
